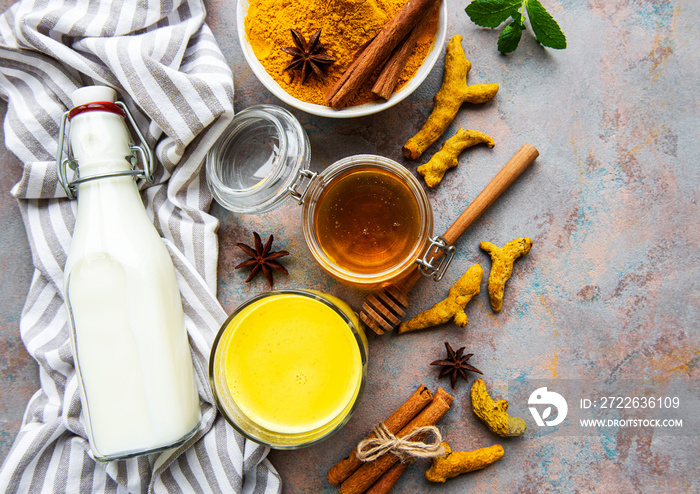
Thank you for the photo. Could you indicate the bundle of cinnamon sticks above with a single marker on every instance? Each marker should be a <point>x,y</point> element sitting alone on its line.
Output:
<point>378,476</point>
<point>390,49</point>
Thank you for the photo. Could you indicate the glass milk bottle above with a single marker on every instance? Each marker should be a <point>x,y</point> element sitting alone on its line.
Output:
<point>128,337</point>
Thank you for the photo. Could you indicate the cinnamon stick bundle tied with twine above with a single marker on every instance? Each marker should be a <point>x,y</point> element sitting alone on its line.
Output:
<point>376,54</point>
<point>394,423</point>
<point>386,453</point>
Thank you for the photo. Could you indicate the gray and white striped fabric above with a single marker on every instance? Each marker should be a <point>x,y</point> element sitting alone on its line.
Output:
<point>167,67</point>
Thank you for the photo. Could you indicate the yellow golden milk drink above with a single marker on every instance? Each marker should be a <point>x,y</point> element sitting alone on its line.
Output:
<point>288,367</point>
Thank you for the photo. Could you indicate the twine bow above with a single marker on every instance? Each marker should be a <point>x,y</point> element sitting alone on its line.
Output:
<point>406,448</point>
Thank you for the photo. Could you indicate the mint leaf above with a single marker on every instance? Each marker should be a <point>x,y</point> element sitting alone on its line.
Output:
<point>491,13</point>
<point>510,37</point>
<point>546,29</point>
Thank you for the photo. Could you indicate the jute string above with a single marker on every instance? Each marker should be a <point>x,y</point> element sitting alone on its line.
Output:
<point>405,448</point>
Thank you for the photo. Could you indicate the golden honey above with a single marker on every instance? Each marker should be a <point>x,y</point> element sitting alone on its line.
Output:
<point>367,220</point>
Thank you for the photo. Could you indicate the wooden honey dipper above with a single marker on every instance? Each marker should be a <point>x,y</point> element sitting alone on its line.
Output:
<point>384,309</point>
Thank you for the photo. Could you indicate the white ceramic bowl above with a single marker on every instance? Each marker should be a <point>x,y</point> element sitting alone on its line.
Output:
<point>351,111</point>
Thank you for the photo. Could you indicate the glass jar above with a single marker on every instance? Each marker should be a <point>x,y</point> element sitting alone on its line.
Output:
<point>366,218</point>
<point>287,369</point>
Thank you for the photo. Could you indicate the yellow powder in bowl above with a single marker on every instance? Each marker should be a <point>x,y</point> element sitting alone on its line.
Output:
<point>346,27</point>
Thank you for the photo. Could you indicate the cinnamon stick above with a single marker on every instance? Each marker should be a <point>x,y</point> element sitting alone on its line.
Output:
<point>349,70</point>
<point>389,76</point>
<point>369,473</point>
<point>378,51</point>
<point>387,481</point>
<point>440,393</point>
<point>395,422</point>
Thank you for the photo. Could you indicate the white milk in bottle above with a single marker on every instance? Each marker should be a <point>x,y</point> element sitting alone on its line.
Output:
<point>127,327</point>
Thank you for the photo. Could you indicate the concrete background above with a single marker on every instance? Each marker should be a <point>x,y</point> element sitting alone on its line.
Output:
<point>608,294</point>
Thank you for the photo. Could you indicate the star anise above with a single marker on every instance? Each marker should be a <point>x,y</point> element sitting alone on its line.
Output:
<point>262,259</point>
<point>310,57</point>
<point>456,364</point>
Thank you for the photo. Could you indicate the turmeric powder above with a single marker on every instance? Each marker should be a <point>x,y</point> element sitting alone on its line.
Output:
<point>446,158</point>
<point>466,288</point>
<point>446,103</point>
<point>346,27</point>
<point>454,463</point>
<point>502,266</point>
<point>495,413</point>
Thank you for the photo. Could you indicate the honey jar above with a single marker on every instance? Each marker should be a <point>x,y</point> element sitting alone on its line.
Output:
<point>366,219</point>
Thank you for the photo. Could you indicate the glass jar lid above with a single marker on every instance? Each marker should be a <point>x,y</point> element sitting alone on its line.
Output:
<point>256,159</point>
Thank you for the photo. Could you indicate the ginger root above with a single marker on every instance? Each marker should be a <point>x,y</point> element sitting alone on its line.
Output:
<point>467,287</point>
<point>446,157</point>
<point>494,413</point>
<point>454,463</point>
<point>446,103</point>
<point>502,266</point>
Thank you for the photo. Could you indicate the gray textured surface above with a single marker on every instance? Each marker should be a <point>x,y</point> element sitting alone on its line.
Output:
<point>609,291</point>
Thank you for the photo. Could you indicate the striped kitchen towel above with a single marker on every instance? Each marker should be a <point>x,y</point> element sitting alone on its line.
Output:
<point>165,64</point>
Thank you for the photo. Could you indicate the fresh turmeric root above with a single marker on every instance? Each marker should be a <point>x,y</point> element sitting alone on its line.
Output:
<point>494,413</point>
<point>446,103</point>
<point>466,288</point>
<point>446,157</point>
<point>455,463</point>
<point>502,266</point>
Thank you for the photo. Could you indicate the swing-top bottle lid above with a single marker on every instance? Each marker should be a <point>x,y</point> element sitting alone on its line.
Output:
<point>91,94</point>
<point>99,142</point>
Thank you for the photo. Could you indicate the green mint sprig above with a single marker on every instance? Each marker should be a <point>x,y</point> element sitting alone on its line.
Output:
<point>493,13</point>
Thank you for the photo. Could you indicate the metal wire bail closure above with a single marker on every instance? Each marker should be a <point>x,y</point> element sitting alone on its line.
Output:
<point>438,249</point>
<point>292,189</point>
<point>142,151</point>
